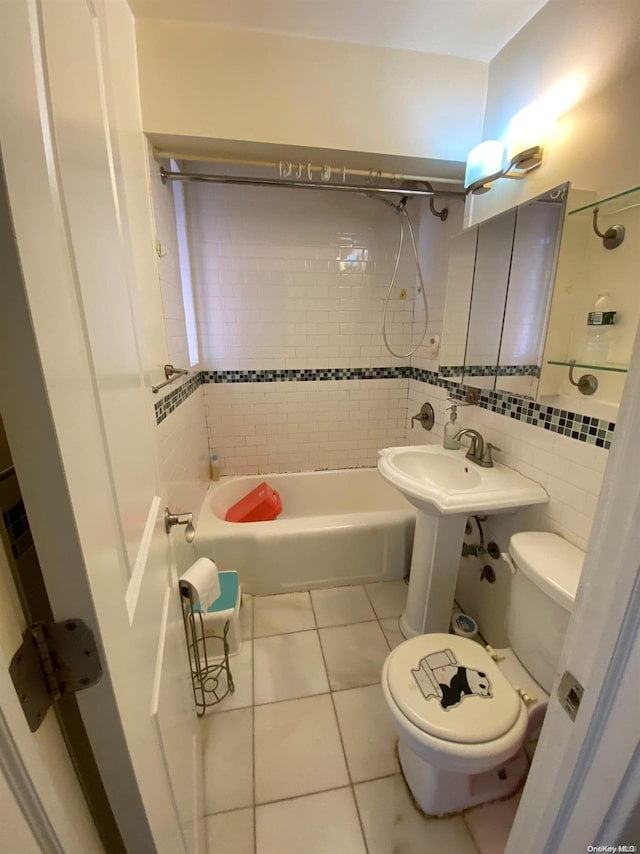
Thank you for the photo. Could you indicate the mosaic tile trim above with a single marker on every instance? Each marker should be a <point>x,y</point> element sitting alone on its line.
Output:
<point>171,401</point>
<point>582,428</point>
<point>490,371</point>
<point>307,375</point>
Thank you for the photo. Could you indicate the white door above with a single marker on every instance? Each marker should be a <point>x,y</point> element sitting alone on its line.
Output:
<point>79,417</point>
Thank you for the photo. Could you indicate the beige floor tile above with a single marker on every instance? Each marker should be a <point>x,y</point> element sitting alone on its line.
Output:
<point>387,597</point>
<point>392,632</point>
<point>490,824</point>
<point>392,823</point>
<point>297,749</point>
<point>354,654</point>
<point>231,832</point>
<point>286,612</point>
<point>326,823</point>
<point>288,666</point>
<point>339,606</point>
<point>368,737</point>
<point>228,760</point>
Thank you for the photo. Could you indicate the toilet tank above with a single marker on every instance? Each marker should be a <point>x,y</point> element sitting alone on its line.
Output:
<point>543,589</point>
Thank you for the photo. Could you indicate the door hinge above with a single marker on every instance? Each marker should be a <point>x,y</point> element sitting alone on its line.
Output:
<point>54,659</point>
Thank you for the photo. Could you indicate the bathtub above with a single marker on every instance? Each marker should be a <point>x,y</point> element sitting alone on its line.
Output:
<point>336,527</point>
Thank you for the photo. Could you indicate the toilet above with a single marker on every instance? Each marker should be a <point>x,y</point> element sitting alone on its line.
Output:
<point>463,712</point>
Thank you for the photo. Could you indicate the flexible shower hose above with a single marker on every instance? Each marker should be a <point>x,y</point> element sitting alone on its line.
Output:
<point>402,213</point>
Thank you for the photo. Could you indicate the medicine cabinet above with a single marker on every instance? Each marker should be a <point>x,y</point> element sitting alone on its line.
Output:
<point>520,287</point>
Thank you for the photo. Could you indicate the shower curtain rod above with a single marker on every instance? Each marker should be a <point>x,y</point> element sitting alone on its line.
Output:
<point>161,154</point>
<point>167,175</point>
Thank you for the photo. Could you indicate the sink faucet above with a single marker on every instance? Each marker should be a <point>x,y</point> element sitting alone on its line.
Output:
<point>478,452</point>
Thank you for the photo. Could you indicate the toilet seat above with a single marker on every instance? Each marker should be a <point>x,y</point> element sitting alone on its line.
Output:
<point>451,689</point>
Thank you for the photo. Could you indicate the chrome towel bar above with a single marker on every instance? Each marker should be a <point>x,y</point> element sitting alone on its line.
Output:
<point>171,374</point>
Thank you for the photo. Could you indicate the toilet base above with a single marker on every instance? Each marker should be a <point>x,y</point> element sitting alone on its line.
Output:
<point>439,792</point>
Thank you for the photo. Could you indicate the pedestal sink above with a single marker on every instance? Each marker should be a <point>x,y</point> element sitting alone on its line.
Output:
<point>445,488</point>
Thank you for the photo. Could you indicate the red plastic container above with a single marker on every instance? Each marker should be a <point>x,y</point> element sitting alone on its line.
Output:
<point>262,504</point>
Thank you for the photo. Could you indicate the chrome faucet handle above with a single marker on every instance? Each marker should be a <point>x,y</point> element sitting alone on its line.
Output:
<point>487,459</point>
<point>426,417</point>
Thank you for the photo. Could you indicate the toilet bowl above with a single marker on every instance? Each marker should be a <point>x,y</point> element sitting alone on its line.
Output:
<point>462,712</point>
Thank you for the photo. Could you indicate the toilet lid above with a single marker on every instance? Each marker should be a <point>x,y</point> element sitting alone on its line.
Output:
<point>449,687</point>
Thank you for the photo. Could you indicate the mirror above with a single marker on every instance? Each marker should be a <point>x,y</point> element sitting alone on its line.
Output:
<point>499,290</point>
<point>586,270</point>
<point>488,297</point>
<point>534,258</point>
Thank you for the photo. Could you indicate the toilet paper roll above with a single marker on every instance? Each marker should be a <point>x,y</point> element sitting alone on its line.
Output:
<point>201,580</point>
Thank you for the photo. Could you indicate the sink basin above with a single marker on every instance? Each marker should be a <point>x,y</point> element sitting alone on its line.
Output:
<point>431,477</point>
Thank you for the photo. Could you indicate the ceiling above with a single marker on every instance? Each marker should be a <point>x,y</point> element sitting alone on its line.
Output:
<point>472,29</point>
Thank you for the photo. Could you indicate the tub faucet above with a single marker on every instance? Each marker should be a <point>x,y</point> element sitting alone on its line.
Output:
<point>478,452</point>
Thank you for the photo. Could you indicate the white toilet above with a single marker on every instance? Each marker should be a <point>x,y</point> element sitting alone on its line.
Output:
<point>463,714</point>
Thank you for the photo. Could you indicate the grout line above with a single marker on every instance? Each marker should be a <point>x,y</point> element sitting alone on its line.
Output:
<point>344,752</point>
<point>305,795</point>
<point>310,794</point>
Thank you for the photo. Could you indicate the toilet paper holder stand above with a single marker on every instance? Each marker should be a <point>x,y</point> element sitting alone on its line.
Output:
<point>210,675</point>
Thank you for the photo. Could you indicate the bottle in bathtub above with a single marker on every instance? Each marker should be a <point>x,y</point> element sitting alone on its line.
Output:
<point>214,468</point>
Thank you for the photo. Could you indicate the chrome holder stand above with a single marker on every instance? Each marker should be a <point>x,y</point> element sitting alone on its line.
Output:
<point>211,676</point>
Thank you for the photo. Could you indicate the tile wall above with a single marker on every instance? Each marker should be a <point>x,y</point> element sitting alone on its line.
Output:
<point>297,280</point>
<point>294,278</point>
<point>184,452</point>
<point>257,428</point>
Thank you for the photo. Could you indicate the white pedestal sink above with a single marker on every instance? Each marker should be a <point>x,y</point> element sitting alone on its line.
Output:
<point>445,488</point>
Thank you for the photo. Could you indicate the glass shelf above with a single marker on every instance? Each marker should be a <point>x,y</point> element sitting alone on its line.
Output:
<point>612,204</point>
<point>604,366</point>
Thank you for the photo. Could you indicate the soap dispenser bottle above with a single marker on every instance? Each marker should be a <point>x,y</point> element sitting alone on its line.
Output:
<point>451,428</point>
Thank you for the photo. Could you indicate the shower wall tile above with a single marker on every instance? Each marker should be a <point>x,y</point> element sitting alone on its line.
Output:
<point>297,278</point>
<point>183,457</point>
<point>258,428</point>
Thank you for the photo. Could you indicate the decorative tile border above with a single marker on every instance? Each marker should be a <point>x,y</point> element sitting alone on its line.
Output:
<point>490,371</point>
<point>583,428</point>
<point>307,375</point>
<point>167,404</point>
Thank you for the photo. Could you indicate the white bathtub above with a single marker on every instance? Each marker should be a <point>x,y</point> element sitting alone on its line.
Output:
<point>336,527</point>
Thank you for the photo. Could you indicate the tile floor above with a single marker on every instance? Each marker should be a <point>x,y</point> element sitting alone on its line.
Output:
<point>300,759</point>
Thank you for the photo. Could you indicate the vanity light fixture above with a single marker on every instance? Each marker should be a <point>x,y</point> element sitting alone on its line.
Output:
<point>527,135</point>
<point>484,165</point>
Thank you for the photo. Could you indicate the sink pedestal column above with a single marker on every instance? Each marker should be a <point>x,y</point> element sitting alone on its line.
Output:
<point>434,572</point>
